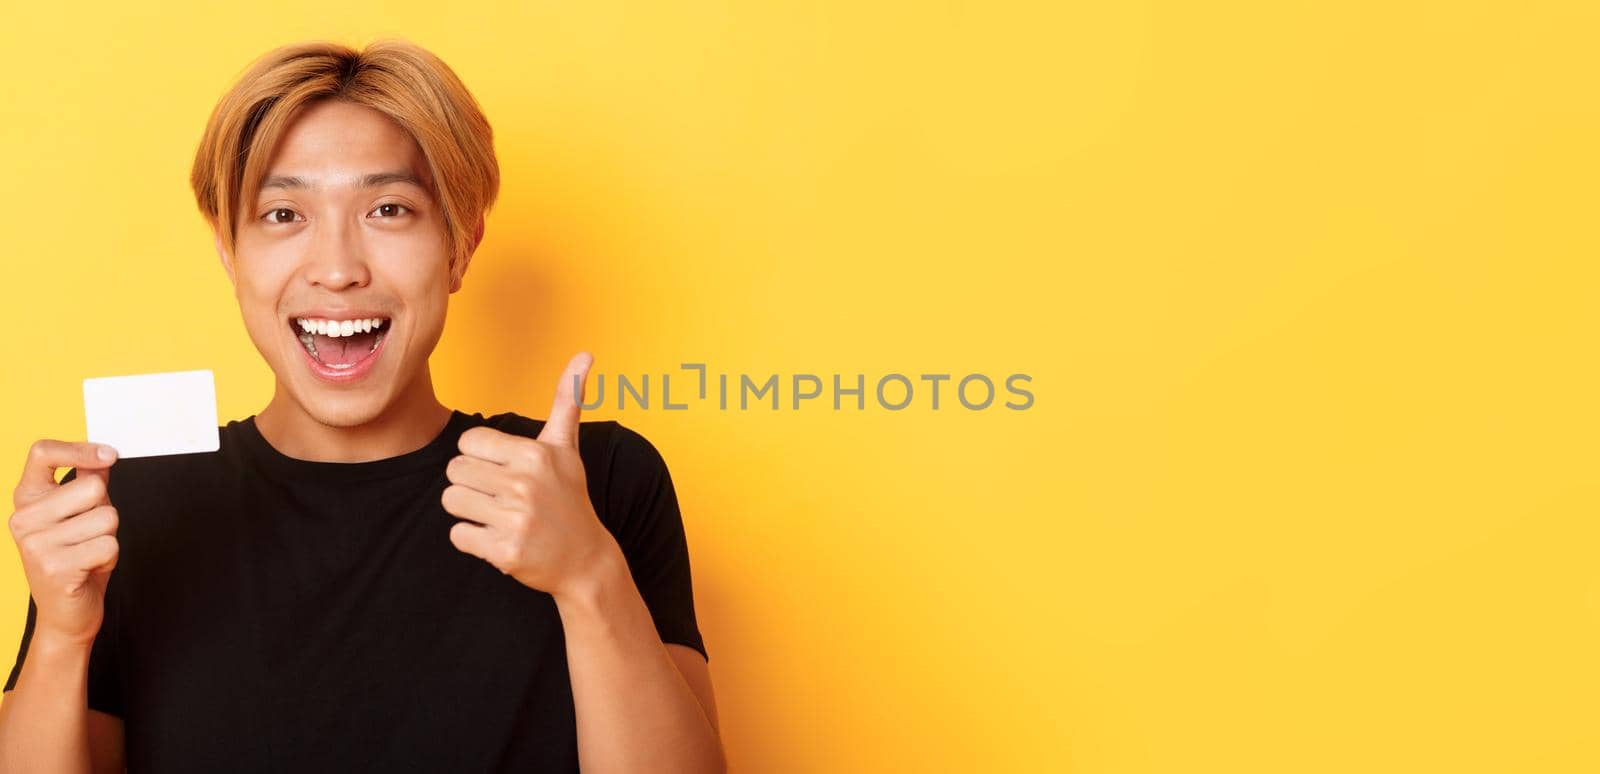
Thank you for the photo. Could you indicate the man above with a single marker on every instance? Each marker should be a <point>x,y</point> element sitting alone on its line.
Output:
<point>360,578</point>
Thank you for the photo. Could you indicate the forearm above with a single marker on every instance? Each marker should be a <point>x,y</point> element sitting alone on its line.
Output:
<point>44,720</point>
<point>635,711</point>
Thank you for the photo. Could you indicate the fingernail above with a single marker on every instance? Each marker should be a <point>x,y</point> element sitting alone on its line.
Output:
<point>106,453</point>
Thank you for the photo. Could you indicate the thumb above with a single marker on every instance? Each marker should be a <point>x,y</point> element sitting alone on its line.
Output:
<point>562,427</point>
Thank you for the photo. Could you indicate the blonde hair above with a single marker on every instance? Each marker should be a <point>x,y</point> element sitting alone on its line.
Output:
<point>399,79</point>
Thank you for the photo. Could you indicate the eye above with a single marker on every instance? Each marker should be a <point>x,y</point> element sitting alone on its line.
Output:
<point>280,215</point>
<point>391,210</point>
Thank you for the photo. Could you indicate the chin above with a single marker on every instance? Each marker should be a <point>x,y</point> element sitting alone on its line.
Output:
<point>343,410</point>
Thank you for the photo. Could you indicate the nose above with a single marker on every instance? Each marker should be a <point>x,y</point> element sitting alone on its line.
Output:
<point>338,259</point>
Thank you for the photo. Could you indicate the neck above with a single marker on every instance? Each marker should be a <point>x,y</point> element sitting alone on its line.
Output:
<point>413,419</point>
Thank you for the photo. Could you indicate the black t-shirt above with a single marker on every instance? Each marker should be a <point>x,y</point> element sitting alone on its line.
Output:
<point>275,614</point>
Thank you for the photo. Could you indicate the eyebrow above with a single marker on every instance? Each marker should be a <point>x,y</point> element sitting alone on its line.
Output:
<point>369,180</point>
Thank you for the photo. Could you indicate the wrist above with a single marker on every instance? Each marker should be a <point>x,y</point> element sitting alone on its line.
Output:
<point>46,645</point>
<point>587,588</point>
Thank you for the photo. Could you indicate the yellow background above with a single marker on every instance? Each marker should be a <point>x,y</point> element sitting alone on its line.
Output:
<point>1306,291</point>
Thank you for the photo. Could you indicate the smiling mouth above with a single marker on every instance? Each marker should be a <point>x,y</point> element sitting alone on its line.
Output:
<point>339,344</point>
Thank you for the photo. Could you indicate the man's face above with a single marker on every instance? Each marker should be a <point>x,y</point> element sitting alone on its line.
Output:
<point>343,234</point>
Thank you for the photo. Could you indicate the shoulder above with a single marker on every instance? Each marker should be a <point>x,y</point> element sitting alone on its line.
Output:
<point>631,454</point>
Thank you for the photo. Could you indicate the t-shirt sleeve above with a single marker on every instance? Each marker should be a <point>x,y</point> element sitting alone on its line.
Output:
<point>649,530</point>
<point>105,687</point>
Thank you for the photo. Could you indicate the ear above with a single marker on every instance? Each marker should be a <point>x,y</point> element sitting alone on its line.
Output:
<point>457,276</point>
<point>227,265</point>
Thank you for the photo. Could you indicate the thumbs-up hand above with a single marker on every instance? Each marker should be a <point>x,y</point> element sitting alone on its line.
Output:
<point>526,500</point>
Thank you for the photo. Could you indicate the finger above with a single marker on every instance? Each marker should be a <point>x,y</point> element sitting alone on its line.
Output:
<point>94,555</point>
<point>104,474</point>
<point>466,503</point>
<point>562,427</point>
<point>478,541</point>
<point>71,499</point>
<point>489,444</point>
<point>46,455</point>
<point>490,478</point>
<point>97,521</point>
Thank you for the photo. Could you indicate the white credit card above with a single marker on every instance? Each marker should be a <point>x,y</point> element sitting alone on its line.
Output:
<point>149,414</point>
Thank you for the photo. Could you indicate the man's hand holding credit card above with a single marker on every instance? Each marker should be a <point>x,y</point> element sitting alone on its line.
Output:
<point>66,533</point>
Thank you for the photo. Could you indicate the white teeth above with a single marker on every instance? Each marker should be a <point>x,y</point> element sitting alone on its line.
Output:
<point>339,328</point>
